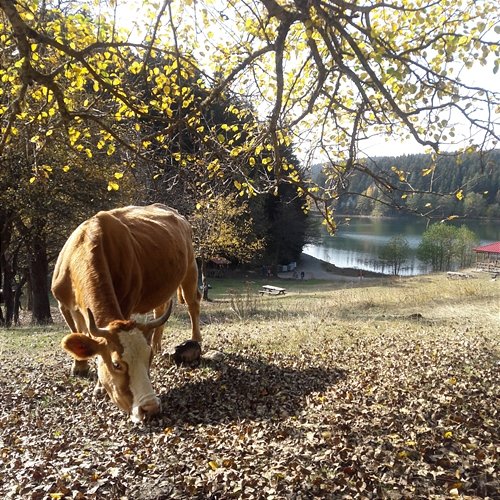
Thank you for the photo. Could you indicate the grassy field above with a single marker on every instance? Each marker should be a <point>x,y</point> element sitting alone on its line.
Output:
<point>383,388</point>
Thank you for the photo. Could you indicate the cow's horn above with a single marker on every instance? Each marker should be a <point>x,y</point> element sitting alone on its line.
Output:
<point>155,323</point>
<point>94,330</point>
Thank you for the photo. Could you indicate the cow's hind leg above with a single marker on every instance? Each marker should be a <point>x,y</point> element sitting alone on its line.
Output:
<point>192,296</point>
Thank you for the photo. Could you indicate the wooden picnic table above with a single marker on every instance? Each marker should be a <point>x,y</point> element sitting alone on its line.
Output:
<point>272,290</point>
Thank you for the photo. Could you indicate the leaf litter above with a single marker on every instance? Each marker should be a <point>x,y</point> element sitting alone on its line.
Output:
<point>396,410</point>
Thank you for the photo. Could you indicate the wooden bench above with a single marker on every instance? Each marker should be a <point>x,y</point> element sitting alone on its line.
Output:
<point>272,290</point>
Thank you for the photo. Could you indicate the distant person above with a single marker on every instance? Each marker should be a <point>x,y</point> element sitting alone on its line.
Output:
<point>302,274</point>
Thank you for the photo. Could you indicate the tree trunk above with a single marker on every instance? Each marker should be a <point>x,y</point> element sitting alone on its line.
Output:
<point>8,296</point>
<point>18,291</point>
<point>39,270</point>
<point>6,274</point>
<point>204,282</point>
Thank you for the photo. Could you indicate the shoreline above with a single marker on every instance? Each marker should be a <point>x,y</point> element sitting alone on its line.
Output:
<point>314,268</point>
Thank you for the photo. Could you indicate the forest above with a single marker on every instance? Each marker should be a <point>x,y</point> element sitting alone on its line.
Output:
<point>464,185</point>
<point>208,109</point>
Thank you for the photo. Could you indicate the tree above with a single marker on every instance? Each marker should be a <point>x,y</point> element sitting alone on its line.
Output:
<point>475,205</point>
<point>45,192</point>
<point>395,253</point>
<point>466,241</point>
<point>436,247</point>
<point>445,246</point>
<point>328,76</point>
<point>222,227</point>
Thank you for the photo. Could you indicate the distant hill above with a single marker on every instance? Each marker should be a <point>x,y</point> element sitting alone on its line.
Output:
<point>473,180</point>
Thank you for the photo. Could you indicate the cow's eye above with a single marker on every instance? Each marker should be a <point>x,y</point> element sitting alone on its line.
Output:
<point>117,365</point>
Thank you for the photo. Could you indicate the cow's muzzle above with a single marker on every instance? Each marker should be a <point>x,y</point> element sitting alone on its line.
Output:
<point>146,408</point>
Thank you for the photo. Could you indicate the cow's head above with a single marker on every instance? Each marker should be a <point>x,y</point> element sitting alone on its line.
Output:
<point>124,355</point>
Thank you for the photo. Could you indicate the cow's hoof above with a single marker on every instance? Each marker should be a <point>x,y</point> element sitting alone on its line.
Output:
<point>80,372</point>
<point>98,391</point>
<point>83,369</point>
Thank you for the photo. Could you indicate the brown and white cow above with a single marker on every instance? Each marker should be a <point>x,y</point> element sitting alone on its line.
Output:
<point>121,262</point>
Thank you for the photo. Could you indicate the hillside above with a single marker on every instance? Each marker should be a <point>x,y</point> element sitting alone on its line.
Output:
<point>476,177</point>
<point>380,389</point>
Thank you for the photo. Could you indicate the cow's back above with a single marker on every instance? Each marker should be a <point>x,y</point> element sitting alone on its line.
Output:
<point>161,241</point>
<point>123,261</point>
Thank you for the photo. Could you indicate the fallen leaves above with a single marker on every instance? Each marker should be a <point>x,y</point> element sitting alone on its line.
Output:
<point>381,414</point>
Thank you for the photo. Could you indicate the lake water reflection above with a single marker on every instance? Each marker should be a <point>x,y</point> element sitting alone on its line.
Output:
<point>358,243</point>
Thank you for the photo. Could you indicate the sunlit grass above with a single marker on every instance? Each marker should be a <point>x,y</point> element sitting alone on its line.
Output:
<point>310,314</point>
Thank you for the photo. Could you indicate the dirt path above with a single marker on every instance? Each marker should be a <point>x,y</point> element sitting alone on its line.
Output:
<point>318,269</point>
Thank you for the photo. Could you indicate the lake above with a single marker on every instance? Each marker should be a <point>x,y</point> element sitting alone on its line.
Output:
<point>358,243</point>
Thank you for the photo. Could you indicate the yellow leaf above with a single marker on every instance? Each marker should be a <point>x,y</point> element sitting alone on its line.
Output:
<point>66,168</point>
<point>213,465</point>
<point>460,195</point>
<point>118,175</point>
<point>32,180</point>
<point>113,186</point>
<point>57,495</point>
<point>448,435</point>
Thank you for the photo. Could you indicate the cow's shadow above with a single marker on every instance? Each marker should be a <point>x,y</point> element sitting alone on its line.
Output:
<point>246,388</point>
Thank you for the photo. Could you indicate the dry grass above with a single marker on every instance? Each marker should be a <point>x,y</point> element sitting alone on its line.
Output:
<point>380,389</point>
<point>309,317</point>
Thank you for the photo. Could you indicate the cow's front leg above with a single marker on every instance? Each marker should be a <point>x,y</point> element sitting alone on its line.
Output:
<point>158,332</point>
<point>80,368</point>
<point>99,390</point>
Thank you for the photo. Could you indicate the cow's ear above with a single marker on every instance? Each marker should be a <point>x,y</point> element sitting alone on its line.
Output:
<point>80,346</point>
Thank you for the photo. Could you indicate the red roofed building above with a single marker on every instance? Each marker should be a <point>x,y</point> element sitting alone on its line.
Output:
<point>488,257</point>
